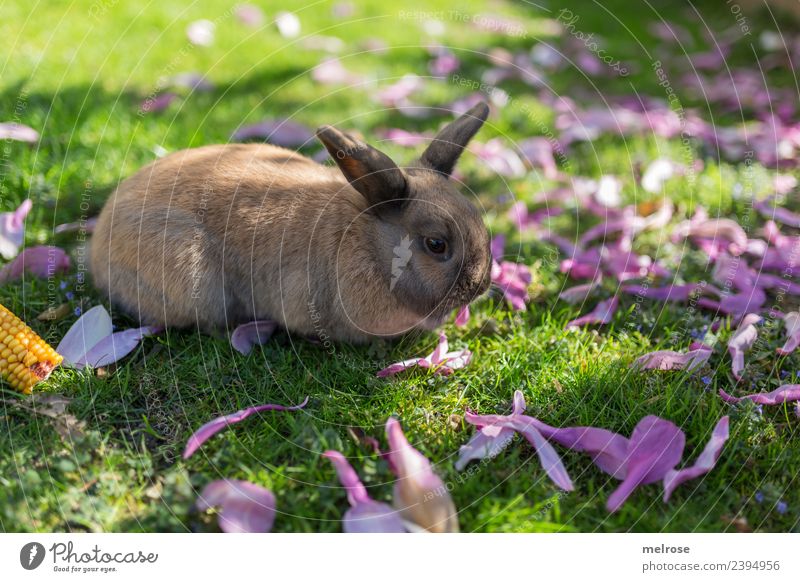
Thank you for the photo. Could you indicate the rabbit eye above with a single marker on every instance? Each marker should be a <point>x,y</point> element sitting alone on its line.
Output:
<point>435,245</point>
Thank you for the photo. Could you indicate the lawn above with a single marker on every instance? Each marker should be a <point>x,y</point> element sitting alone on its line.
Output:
<point>78,72</point>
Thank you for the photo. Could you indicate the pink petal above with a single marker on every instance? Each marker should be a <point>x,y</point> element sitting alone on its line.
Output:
<point>18,132</point>
<point>12,230</point>
<point>579,293</point>
<point>201,32</point>
<point>419,494</point>
<point>157,103</point>
<point>499,158</point>
<point>487,443</point>
<point>785,393</point>
<point>244,507</point>
<point>704,463</point>
<point>538,152</point>
<point>365,515</point>
<point>741,341</point>
<point>462,318</point>
<point>778,214</point>
<point>722,228</point>
<point>331,71</point>
<point>737,304</point>
<point>668,293</point>
<point>656,446</point>
<point>249,15</point>
<point>603,313</point>
<point>792,323</point>
<point>498,245</point>
<point>212,427</point>
<point>114,347</point>
<point>398,93</point>
<point>405,138</point>
<point>669,360</point>
<point>39,261</point>
<point>280,132</point>
<point>549,458</point>
<point>657,173</point>
<point>92,327</point>
<point>247,335</point>
<point>398,367</point>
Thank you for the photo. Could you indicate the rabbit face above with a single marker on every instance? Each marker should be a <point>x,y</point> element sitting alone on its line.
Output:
<point>437,248</point>
<point>428,241</point>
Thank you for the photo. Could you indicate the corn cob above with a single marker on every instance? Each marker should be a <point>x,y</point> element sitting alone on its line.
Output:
<point>25,358</point>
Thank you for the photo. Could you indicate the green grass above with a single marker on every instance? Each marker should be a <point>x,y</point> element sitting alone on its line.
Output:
<point>78,74</point>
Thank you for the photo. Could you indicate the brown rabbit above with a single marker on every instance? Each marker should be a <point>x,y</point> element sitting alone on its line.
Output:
<point>221,235</point>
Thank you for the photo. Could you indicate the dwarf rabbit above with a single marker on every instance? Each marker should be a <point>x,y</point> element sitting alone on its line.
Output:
<point>225,234</point>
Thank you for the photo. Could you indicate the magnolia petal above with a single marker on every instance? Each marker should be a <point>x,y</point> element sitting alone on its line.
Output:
<point>792,323</point>
<point>548,456</point>
<point>656,446</point>
<point>212,427</point>
<point>12,230</point>
<point>462,318</point>
<point>365,515</point>
<point>741,341</point>
<point>248,335</point>
<point>603,313</point>
<point>419,494</point>
<point>244,507</point>
<point>668,293</point>
<point>704,463</point>
<point>18,132</point>
<point>777,213</point>
<point>39,261</point>
<point>280,132</point>
<point>92,327</point>
<point>485,444</point>
<point>579,293</point>
<point>201,32</point>
<point>114,347</point>
<point>785,393</point>
<point>372,517</point>
<point>669,360</point>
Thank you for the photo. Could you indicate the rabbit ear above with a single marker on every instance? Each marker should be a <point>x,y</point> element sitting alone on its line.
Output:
<point>369,171</point>
<point>448,144</point>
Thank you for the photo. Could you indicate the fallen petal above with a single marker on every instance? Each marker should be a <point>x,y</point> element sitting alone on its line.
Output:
<point>785,393</point>
<point>741,341</point>
<point>280,132</point>
<point>669,360</point>
<point>248,335</point>
<point>791,322</point>
<point>419,494</point>
<point>244,507</point>
<point>39,261</point>
<point>211,428</point>
<point>12,230</point>
<point>365,515</point>
<point>18,132</point>
<point>603,313</point>
<point>656,447</point>
<point>704,463</point>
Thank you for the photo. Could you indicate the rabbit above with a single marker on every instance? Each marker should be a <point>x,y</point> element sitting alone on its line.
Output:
<point>213,237</point>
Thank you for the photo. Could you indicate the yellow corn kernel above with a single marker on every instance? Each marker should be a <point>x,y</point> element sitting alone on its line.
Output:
<point>25,358</point>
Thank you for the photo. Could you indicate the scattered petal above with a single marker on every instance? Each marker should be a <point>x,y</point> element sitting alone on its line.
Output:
<point>440,361</point>
<point>656,447</point>
<point>603,313</point>
<point>244,507</point>
<point>785,393</point>
<point>462,317</point>
<point>669,360</point>
<point>38,261</point>
<point>12,230</point>
<point>741,341</point>
<point>365,514</point>
<point>288,24</point>
<point>281,132</point>
<point>419,494</point>
<point>791,322</point>
<point>208,430</point>
<point>704,463</point>
<point>248,335</point>
<point>18,132</point>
